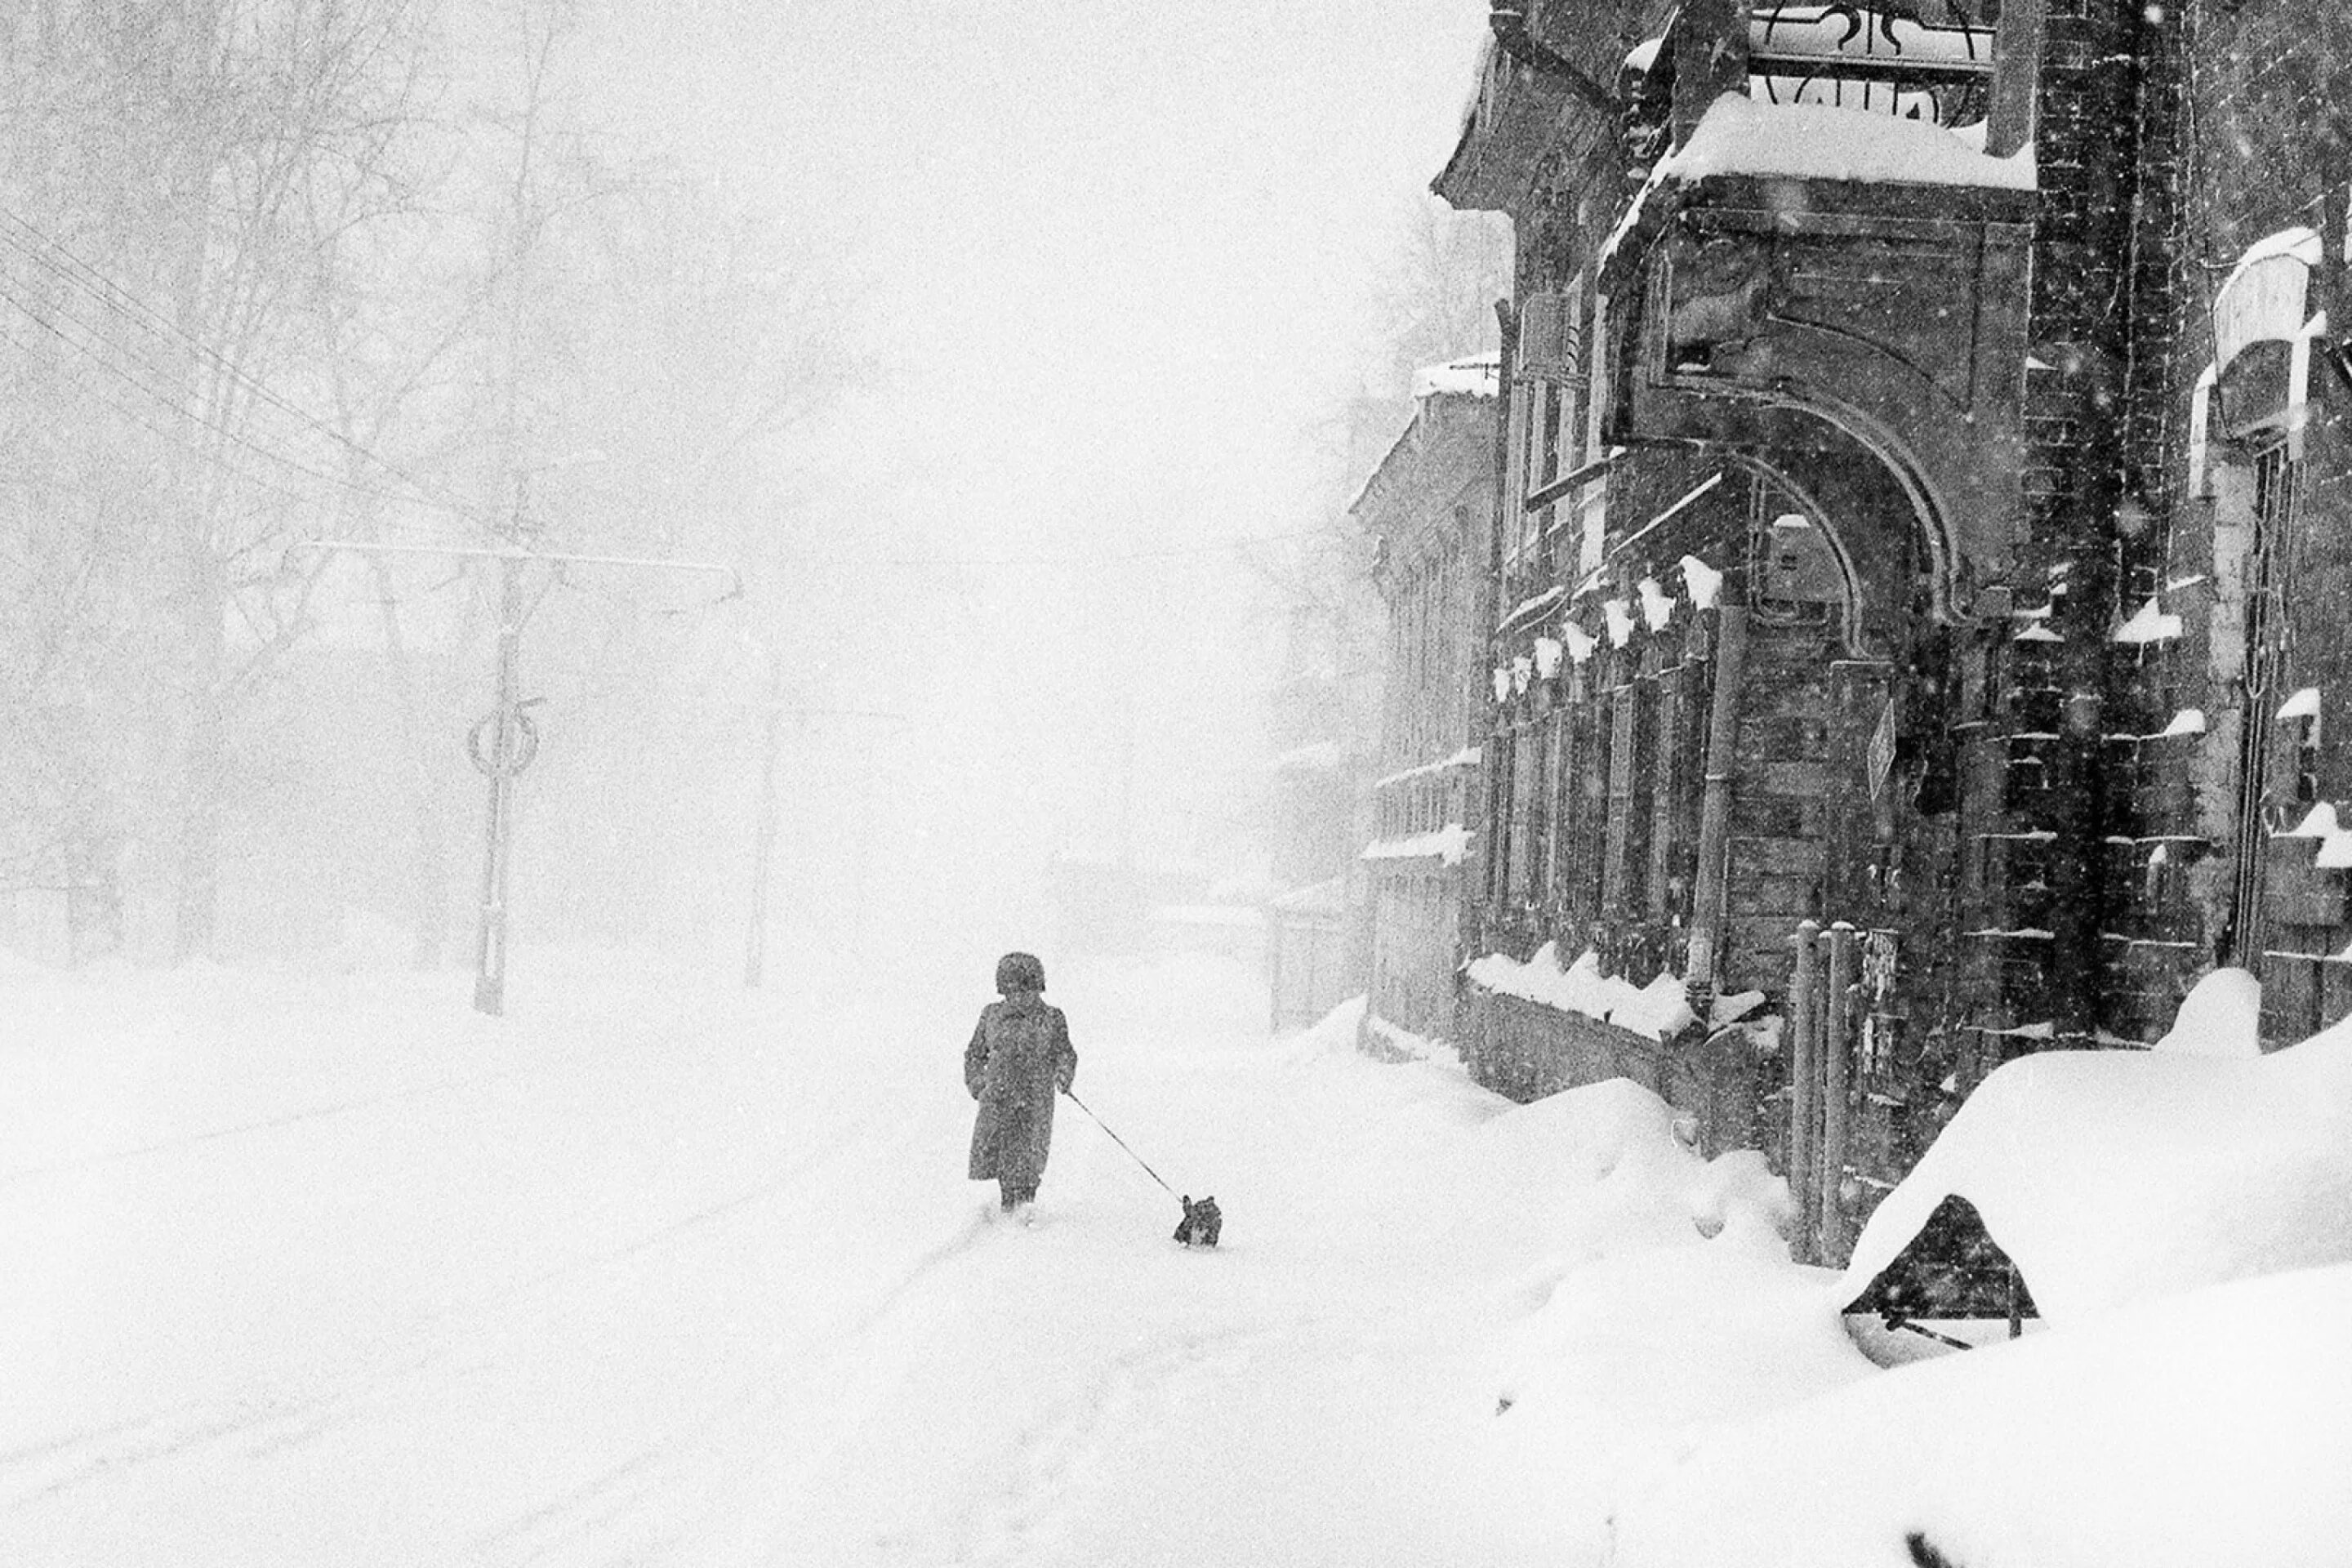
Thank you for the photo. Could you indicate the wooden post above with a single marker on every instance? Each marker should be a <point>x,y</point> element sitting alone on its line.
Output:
<point>1803,1059</point>
<point>763,840</point>
<point>490,938</point>
<point>1834,1055</point>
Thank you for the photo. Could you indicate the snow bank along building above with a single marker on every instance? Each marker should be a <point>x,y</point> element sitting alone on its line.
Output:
<point>1918,607</point>
<point>1428,509</point>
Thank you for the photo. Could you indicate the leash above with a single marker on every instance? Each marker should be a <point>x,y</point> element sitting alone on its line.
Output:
<point>1121,1142</point>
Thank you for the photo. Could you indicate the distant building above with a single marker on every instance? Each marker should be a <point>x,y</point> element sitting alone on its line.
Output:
<point>1918,627</point>
<point>1321,721</point>
<point>1310,957</point>
<point>1429,508</point>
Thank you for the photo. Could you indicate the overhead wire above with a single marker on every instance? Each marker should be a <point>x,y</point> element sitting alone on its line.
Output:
<point>61,262</point>
<point>92,347</point>
<point>152,427</point>
<point>94,282</point>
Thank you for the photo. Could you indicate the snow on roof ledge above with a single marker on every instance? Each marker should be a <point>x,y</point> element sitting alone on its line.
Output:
<point>1468,757</point>
<point>1739,135</point>
<point>2113,1176</point>
<point>1315,898</point>
<point>2319,821</point>
<point>2150,623</point>
<point>1448,844</point>
<point>1316,756</point>
<point>1653,1010</point>
<point>2299,244</point>
<point>1475,376</point>
<point>1703,581</point>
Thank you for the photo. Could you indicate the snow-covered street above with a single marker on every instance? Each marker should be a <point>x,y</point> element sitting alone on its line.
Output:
<point>329,1270</point>
<point>318,1267</point>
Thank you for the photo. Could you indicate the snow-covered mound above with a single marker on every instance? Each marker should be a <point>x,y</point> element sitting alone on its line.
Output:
<point>2221,1016</point>
<point>1604,1169</point>
<point>2111,1176</point>
<point>2212,1427</point>
<point>1663,1297</point>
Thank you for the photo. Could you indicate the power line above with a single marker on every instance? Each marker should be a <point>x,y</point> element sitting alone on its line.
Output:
<point>93,348</point>
<point>148,424</point>
<point>909,563</point>
<point>81,274</point>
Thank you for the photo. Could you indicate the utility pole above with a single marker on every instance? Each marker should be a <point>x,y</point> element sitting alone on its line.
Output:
<point>504,741</point>
<point>763,841</point>
<point>513,744</point>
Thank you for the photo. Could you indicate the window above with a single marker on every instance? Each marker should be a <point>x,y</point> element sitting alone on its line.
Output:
<point>1550,421</point>
<point>1797,576</point>
<point>1592,504</point>
<point>1527,810</point>
<point>1498,817</point>
<point>2261,373</point>
<point>2304,734</point>
<point>2274,478</point>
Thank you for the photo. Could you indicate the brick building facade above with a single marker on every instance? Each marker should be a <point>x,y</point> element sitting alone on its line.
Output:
<point>2243,469</point>
<point>1428,507</point>
<point>1918,576</point>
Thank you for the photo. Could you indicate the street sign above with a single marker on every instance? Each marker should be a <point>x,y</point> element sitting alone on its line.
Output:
<point>1880,755</point>
<point>502,750</point>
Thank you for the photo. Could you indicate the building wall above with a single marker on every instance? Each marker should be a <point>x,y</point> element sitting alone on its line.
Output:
<point>1429,506</point>
<point>1988,678</point>
<point>2260,119</point>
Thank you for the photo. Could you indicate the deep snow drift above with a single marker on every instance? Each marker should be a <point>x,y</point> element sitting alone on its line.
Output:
<point>2112,1177</point>
<point>2203,1428</point>
<point>311,1268</point>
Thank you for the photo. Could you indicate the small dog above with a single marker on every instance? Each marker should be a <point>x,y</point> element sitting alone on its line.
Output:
<point>1201,1223</point>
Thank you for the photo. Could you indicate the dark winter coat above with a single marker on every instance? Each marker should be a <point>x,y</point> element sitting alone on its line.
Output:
<point>1019,1057</point>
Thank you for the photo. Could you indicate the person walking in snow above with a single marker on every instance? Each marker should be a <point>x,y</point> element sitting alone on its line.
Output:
<point>1019,1056</point>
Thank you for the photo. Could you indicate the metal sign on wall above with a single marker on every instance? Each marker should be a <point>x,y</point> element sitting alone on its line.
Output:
<point>1879,756</point>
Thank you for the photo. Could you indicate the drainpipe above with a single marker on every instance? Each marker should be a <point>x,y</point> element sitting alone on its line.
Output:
<point>1509,18</point>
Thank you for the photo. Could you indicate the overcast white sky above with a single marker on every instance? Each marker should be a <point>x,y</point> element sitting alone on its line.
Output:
<point>1120,254</point>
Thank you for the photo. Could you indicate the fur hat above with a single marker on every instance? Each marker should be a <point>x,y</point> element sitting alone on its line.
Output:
<point>1019,972</point>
